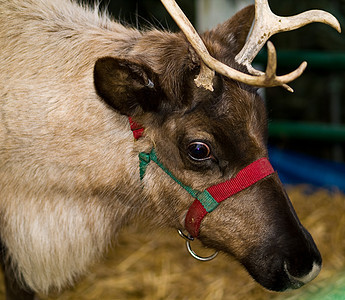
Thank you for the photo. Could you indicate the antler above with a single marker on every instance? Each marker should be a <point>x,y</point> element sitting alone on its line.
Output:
<point>266,24</point>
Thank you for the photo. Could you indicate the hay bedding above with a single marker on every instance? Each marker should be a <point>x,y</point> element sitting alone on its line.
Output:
<point>150,265</point>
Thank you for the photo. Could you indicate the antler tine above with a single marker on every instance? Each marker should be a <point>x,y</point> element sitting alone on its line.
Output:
<point>271,67</point>
<point>267,24</point>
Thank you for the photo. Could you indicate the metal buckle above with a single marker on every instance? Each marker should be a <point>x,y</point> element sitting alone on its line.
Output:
<point>188,238</point>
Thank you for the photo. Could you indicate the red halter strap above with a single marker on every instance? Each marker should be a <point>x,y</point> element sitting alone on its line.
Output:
<point>137,129</point>
<point>249,175</point>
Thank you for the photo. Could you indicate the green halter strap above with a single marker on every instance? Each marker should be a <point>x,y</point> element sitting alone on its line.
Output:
<point>204,197</point>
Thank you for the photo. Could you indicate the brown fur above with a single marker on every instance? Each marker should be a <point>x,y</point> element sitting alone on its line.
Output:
<point>69,177</point>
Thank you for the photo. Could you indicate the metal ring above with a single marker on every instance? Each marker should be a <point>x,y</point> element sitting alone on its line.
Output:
<point>189,239</point>
<point>184,236</point>
<point>196,256</point>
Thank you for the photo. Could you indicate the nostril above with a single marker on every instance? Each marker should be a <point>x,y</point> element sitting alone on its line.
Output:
<point>298,281</point>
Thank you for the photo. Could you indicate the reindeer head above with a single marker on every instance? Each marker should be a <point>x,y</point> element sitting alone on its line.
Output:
<point>205,136</point>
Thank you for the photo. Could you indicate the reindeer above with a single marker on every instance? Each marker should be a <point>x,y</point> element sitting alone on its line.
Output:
<point>72,175</point>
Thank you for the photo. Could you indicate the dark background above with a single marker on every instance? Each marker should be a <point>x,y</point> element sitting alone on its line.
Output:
<point>145,13</point>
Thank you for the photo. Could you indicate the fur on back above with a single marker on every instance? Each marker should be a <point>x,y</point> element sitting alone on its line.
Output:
<point>63,188</point>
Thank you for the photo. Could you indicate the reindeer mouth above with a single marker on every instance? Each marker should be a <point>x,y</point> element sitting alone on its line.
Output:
<point>297,282</point>
<point>282,274</point>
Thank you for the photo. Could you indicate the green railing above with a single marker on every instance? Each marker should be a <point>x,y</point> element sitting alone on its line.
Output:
<point>332,61</point>
<point>334,132</point>
<point>319,60</point>
<point>311,131</point>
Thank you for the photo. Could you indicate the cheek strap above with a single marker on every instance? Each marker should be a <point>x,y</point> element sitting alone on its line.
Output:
<point>206,201</point>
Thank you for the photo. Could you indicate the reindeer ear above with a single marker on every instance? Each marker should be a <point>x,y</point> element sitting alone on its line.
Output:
<point>126,85</point>
<point>232,34</point>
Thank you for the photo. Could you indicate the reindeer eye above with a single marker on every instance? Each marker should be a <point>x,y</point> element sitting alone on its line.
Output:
<point>199,151</point>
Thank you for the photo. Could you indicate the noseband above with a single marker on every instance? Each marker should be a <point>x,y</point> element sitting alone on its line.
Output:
<point>208,200</point>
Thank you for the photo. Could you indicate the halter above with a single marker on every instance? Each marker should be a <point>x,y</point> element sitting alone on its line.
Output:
<point>208,200</point>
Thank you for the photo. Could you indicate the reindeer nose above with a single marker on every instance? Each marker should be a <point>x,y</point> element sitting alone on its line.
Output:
<point>298,281</point>
<point>303,265</point>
